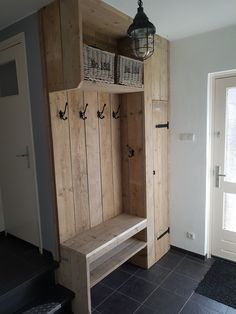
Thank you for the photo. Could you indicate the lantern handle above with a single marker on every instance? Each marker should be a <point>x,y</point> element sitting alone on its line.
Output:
<point>140,3</point>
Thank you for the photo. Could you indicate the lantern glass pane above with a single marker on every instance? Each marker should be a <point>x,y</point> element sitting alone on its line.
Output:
<point>143,43</point>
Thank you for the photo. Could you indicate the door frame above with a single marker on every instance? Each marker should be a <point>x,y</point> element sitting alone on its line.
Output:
<point>210,178</point>
<point>19,39</point>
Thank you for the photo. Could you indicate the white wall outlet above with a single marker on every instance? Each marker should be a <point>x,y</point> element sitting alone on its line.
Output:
<point>190,235</point>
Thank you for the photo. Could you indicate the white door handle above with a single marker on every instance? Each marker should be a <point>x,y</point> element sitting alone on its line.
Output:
<point>218,175</point>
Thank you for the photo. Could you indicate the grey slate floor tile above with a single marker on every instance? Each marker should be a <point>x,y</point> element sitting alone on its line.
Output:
<point>196,308</point>
<point>145,310</point>
<point>180,284</point>
<point>155,274</point>
<point>118,304</point>
<point>192,269</point>
<point>137,288</point>
<point>99,293</point>
<point>170,260</point>
<point>166,288</point>
<point>129,268</point>
<point>165,302</point>
<point>209,303</point>
<point>116,279</point>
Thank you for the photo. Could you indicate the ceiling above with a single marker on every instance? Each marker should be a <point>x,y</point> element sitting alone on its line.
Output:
<point>14,10</point>
<point>174,19</point>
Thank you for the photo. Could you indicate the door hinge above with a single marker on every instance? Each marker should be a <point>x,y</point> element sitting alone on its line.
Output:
<point>161,126</point>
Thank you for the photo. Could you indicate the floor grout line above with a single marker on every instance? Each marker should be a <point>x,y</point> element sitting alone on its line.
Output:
<point>167,276</point>
<point>114,290</point>
<point>135,275</point>
<point>185,303</point>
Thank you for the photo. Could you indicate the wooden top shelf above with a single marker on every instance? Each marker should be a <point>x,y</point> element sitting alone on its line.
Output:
<point>99,240</point>
<point>109,88</point>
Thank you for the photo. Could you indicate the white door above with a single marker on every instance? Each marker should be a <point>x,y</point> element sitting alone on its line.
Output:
<point>224,191</point>
<point>17,165</point>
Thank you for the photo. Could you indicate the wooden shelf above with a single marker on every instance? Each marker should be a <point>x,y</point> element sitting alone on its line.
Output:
<point>113,27</point>
<point>99,240</point>
<point>109,88</point>
<point>110,261</point>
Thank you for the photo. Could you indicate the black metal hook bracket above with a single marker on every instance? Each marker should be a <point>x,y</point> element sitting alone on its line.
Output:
<point>131,151</point>
<point>82,114</point>
<point>161,126</point>
<point>63,113</point>
<point>115,114</point>
<point>100,113</point>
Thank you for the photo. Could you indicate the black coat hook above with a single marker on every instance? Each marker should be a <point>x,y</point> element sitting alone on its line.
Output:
<point>131,151</point>
<point>63,113</point>
<point>82,114</point>
<point>100,113</point>
<point>115,114</point>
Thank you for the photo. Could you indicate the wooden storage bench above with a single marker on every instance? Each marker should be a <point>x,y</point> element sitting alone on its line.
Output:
<point>90,256</point>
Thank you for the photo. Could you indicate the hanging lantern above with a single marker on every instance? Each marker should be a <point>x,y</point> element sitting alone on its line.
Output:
<point>142,32</point>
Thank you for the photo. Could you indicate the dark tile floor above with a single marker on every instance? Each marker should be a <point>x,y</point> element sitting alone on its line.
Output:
<point>19,262</point>
<point>167,288</point>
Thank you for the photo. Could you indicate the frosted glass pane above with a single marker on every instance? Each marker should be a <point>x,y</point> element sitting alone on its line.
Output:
<point>230,212</point>
<point>230,136</point>
<point>8,79</point>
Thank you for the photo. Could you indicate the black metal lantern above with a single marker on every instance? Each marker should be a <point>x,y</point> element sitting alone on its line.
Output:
<point>142,32</point>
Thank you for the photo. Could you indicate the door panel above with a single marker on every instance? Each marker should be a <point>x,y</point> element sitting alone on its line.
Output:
<point>224,192</point>
<point>17,165</point>
<point>161,201</point>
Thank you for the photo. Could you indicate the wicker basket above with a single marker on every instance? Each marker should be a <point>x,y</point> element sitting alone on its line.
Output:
<point>129,72</point>
<point>99,65</point>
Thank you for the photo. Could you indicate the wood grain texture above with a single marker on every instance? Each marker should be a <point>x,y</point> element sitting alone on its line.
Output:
<point>93,158</point>
<point>109,88</point>
<point>164,70</point>
<point>62,163</point>
<point>155,78</point>
<point>124,153</point>
<point>96,13</point>
<point>113,259</point>
<point>162,246</point>
<point>106,157</point>
<point>116,156</point>
<point>51,30</point>
<point>79,160</point>
<point>136,163</point>
<point>99,240</point>
<point>92,37</point>
<point>81,284</point>
<point>148,134</point>
<point>72,42</point>
<point>160,151</point>
<point>158,70</point>
<point>64,272</point>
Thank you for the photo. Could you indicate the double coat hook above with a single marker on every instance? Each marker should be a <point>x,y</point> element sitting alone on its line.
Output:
<point>82,114</point>
<point>115,114</point>
<point>62,114</point>
<point>100,113</point>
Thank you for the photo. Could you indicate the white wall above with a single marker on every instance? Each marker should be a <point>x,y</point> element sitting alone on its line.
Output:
<point>30,26</point>
<point>191,60</point>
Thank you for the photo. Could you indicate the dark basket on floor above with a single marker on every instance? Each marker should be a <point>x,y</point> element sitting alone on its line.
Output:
<point>129,72</point>
<point>99,65</point>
